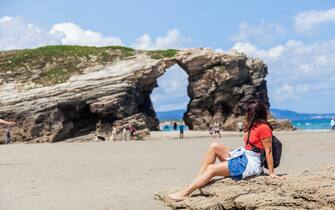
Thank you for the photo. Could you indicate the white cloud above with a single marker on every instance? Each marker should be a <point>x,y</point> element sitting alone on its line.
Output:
<point>173,39</point>
<point>143,42</point>
<point>284,92</point>
<point>15,33</point>
<point>171,107</point>
<point>265,33</point>
<point>296,68</point>
<point>307,20</point>
<point>5,19</point>
<point>303,88</point>
<point>253,50</point>
<point>75,35</point>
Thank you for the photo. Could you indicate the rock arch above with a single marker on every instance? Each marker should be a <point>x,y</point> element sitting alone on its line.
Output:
<point>119,93</point>
<point>219,86</point>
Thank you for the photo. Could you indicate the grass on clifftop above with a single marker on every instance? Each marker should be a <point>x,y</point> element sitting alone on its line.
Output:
<point>56,64</point>
<point>160,54</point>
<point>65,50</point>
<point>52,65</point>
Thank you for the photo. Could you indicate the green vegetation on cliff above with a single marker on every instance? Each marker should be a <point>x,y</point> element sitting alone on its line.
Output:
<point>52,65</point>
<point>56,64</point>
<point>160,54</point>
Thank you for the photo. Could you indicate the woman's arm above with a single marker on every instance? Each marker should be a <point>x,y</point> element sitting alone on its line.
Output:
<point>267,144</point>
<point>6,122</point>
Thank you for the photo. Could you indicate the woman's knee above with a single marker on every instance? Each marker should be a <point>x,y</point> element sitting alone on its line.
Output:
<point>214,146</point>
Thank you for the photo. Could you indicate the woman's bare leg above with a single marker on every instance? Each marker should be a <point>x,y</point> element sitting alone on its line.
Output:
<point>215,150</point>
<point>220,169</point>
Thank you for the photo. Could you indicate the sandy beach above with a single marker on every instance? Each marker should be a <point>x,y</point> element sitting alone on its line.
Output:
<point>125,175</point>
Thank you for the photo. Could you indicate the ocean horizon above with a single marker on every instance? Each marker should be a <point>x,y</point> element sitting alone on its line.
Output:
<point>312,124</point>
<point>301,121</point>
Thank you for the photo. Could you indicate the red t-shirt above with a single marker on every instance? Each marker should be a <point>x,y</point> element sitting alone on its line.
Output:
<point>258,132</point>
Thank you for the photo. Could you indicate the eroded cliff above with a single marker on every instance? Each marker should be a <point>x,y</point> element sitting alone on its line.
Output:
<point>59,92</point>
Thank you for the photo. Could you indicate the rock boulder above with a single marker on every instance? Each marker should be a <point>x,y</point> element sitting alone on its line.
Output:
<point>301,191</point>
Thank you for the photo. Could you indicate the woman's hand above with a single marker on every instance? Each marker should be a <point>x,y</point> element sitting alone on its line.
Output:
<point>4,122</point>
<point>274,176</point>
<point>11,123</point>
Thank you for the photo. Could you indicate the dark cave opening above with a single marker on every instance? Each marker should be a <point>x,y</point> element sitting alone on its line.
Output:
<point>77,120</point>
<point>85,122</point>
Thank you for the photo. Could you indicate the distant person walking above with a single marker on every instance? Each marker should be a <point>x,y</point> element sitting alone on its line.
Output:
<point>332,123</point>
<point>7,139</point>
<point>125,134</point>
<point>113,134</point>
<point>132,130</point>
<point>211,129</point>
<point>217,129</point>
<point>175,126</point>
<point>181,130</point>
<point>166,126</point>
<point>240,128</point>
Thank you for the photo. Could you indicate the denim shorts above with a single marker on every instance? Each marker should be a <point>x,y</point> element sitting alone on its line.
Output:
<point>237,166</point>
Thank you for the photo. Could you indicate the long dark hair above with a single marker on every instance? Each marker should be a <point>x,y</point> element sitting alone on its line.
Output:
<point>257,112</point>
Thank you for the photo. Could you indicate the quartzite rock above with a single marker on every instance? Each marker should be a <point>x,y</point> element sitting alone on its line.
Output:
<point>302,191</point>
<point>118,93</point>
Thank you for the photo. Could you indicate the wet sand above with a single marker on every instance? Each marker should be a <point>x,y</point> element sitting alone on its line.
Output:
<point>125,175</point>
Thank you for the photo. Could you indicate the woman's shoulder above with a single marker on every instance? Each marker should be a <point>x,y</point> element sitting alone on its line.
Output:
<point>264,130</point>
<point>263,126</point>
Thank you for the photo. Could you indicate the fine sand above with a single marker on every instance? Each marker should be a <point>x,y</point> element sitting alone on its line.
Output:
<point>125,175</point>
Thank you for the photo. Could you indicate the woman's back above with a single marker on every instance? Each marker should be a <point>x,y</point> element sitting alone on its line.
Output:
<point>258,132</point>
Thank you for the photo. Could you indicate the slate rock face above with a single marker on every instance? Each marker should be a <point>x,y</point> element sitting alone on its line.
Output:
<point>300,191</point>
<point>116,88</point>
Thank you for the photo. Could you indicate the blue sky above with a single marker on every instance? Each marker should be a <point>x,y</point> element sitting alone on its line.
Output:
<point>295,38</point>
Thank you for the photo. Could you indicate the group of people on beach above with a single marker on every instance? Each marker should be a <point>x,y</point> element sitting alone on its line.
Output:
<point>128,133</point>
<point>214,129</point>
<point>175,126</point>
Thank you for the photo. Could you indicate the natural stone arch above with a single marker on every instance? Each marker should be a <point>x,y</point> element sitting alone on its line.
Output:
<point>118,93</point>
<point>219,86</point>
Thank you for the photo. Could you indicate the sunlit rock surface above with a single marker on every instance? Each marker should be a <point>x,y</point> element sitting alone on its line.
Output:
<point>55,96</point>
<point>309,190</point>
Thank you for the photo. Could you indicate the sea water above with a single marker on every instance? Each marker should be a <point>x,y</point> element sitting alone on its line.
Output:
<point>312,124</point>
<point>170,128</point>
<point>305,124</point>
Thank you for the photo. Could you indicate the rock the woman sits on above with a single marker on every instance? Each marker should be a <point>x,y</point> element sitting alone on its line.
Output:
<point>239,163</point>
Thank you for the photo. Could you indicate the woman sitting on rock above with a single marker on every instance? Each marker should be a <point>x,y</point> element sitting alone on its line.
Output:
<point>242,162</point>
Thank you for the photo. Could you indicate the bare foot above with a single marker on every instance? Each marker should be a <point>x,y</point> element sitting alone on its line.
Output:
<point>177,197</point>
